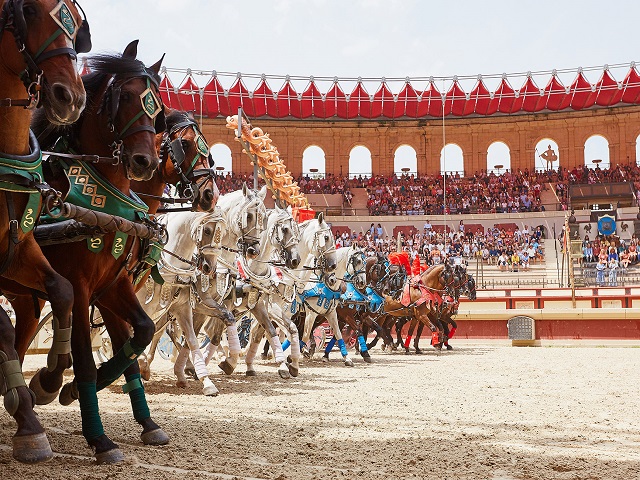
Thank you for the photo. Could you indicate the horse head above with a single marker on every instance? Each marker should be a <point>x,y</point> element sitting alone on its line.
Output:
<point>318,239</point>
<point>245,216</point>
<point>356,268</point>
<point>125,111</point>
<point>283,232</point>
<point>186,161</point>
<point>47,37</point>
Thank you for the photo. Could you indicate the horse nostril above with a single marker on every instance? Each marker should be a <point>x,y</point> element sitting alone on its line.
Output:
<point>142,160</point>
<point>62,93</point>
<point>206,268</point>
<point>208,195</point>
<point>295,262</point>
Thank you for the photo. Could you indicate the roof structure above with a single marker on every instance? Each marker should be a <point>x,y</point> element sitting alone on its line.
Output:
<point>213,100</point>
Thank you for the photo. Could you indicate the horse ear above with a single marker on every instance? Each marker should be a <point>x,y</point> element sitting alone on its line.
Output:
<point>263,192</point>
<point>321,217</point>
<point>289,210</point>
<point>156,66</point>
<point>132,50</point>
<point>244,189</point>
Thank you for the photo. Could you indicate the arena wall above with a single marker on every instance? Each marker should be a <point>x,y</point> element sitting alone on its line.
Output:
<point>569,129</point>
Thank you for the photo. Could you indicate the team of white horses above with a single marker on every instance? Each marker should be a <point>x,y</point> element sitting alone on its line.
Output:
<point>244,260</point>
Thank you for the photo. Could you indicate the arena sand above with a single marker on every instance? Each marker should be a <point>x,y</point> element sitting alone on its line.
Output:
<point>478,412</point>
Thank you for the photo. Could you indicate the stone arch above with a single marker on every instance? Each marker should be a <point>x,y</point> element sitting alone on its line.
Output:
<point>546,147</point>
<point>360,162</point>
<point>498,158</point>
<point>314,162</point>
<point>596,147</point>
<point>452,159</point>
<point>221,154</point>
<point>405,157</point>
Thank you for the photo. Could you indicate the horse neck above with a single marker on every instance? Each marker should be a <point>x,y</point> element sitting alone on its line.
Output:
<point>14,121</point>
<point>431,278</point>
<point>155,186</point>
<point>343,255</point>
<point>179,230</point>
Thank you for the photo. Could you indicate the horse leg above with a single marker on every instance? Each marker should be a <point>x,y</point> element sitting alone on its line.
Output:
<point>261,314</point>
<point>355,325</point>
<point>181,310</point>
<point>255,337</point>
<point>151,434</point>
<point>86,387</point>
<point>30,444</point>
<point>214,331</point>
<point>399,325</point>
<point>407,341</point>
<point>449,332</point>
<point>31,268</point>
<point>146,358</point>
<point>332,318</point>
<point>416,340</point>
<point>309,320</point>
<point>228,365</point>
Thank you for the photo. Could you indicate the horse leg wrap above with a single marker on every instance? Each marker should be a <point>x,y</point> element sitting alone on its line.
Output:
<point>135,389</point>
<point>407,341</point>
<point>277,349</point>
<point>61,344</point>
<point>330,345</point>
<point>91,423</point>
<point>11,378</point>
<point>435,338</point>
<point>343,348</point>
<point>233,340</point>
<point>251,352</point>
<point>198,364</point>
<point>452,332</point>
<point>111,370</point>
<point>295,346</point>
<point>285,344</point>
<point>362,343</point>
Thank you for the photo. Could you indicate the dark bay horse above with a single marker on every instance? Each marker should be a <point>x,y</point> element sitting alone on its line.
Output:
<point>39,41</point>
<point>117,134</point>
<point>185,163</point>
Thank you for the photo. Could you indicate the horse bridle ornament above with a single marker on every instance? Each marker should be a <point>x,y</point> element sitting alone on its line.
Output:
<point>12,19</point>
<point>324,248</point>
<point>253,205</point>
<point>277,235</point>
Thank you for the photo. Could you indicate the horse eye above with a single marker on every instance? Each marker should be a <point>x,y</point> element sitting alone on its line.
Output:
<point>207,230</point>
<point>29,11</point>
<point>249,216</point>
<point>285,230</point>
<point>185,144</point>
<point>125,96</point>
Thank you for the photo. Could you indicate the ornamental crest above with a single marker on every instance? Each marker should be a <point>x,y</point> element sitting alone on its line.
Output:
<point>150,104</point>
<point>63,17</point>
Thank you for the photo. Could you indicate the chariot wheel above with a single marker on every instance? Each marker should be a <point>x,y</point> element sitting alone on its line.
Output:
<point>319,337</point>
<point>244,330</point>
<point>105,351</point>
<point>166,348</point>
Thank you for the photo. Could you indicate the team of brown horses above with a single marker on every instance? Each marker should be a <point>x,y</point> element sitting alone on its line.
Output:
<point>122,142</point>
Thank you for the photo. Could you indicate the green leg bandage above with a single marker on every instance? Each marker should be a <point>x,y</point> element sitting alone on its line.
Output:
<point>112,369</point>
<point>91,423</point>
<point>61,344</point>
<point>10,378</point>
<point>135,389</point>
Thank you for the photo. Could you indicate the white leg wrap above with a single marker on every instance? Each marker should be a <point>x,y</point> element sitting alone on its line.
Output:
<point>198,364</point>
<point>234,341</point>
<point>252,350</point>
<point>277,349</point>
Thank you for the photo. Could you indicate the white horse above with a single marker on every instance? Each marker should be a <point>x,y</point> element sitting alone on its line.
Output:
<point>237,215</point>
<point>257,280</point>
<point>321,297</point>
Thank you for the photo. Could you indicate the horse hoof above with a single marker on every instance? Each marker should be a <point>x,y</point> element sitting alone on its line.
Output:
<point>32,448</point>
<point>284,373</point>
<point>226,367</point>
<point>264,356</point>
<point>191,372</point>
<point>210,391</point>
<point>289,359</point>
<point>325,359</point>
<point>348,362</point>
<point>293,370</point>
<point>181,384</point>
<point>42,396</point>
<point>68,394</point>
<point>449,347</point>
<point>367,359</point>
<point>155,437</point>
<point>407,352</point>
<point>419,352</point>
<point>110,457</point>
<point>251,373</point>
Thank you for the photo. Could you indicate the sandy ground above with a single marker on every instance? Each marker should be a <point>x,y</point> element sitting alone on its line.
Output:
<point>478,412</point>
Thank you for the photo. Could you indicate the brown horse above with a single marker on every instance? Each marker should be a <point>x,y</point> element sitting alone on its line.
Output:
<point>195,175</point>
<point>37,68</point>
<point>117,132</point>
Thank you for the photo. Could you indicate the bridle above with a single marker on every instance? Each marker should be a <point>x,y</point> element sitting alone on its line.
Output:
<point>323,248</point>
<point>277,236</point>
<point>357,257</point>
<point>150,106</point>
<point>12,19</point>
<point>191,180</point>
<point>250,232</point>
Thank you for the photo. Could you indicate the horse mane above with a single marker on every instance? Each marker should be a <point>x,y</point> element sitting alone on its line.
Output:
<point>102,66</point>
